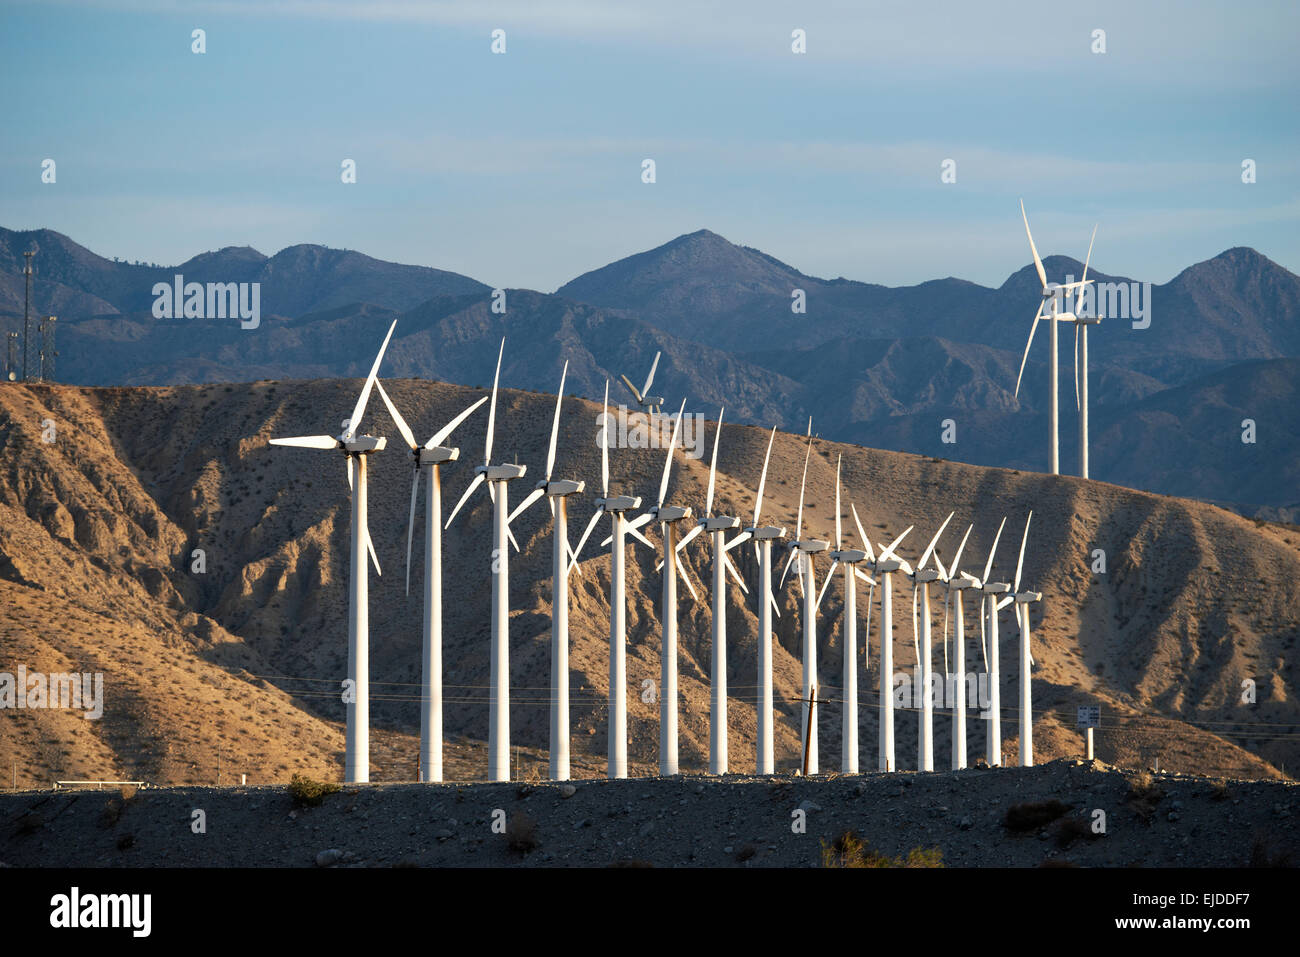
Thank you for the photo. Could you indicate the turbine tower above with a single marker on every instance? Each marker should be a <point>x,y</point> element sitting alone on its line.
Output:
<point>763,535</point>
<point>356,761</point>
<point>557,493</point>
<point>1023,599</point>
<point>614,507</point>
<point>1051,292</point>
<point>954,582</point>
<point>990,590</point>
<point>429,459</point>
<point>850,558</point>
<point>884,568</point>
<point>668,516</point>
<point>717,526</point>
<point>1081,324</point>
<point>497,477</point>
<point>651,403</point>
<point>805,550</point>
<point>922,578</point>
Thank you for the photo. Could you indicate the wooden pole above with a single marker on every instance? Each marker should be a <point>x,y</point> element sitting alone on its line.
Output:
<point>807,736</point>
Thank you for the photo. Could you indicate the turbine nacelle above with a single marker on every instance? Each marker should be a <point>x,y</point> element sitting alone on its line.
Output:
<point>670,513</point>
<point>995,588</point>
<point>925,575</point>
<point>437,455</point>
<point>849,556</point>
<point>365,444</point>
<point>766,531</point>
<point>963,581</point>
<point>1025,597</point>
<point>501,473</point>
<point>811,546</point>
<point>562,487</point>
<point>718,523</point>
<point>618,503</point>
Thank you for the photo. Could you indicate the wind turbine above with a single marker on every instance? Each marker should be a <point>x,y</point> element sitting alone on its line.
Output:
<point>805,550</point>
<point>763,536</point>
<point>428,459</point>
<point>884,567</point>
<point>1023,599</point>
<point>1052,292</point>
<point>717,526</point>
<point>921,580</point>
<point>614,507</point>
<point>356,761</point>
<point>1081,324</point>
<point>651,403</point>
<point>955,581</point>
<point>497,477</point>
<point>850,558</point>
<point>557,493</point>
<point>989,612</point>
<point>667,517</point>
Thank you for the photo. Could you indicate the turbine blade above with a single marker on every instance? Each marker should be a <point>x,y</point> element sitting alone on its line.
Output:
<point>762,480</point>
<point>1077,326</point>
<point>1038,263</point>
<point>586,533</point>
<point>866,639</point>
<point>688,536</point>
<point>946,598</point>
<point>713,467</point>
<point>1025,358</point>
<point>735,573</point>
<point>308,442</point>
<point>776,609</point>
<point>351,465</point>
<point>637,536</point>
<point>785,571</point>
<point>604,446</point>
<point>738,540</point>
<point>686,580</point>
<point>402,427</point>
<point>1020,562</point>
<point>668,460</point>
<point>867,579</point>
<point>866,542</point>
<point>359,410</point>
<point>838,462</point>
<point>830,573</point>
<point>639,521</point>
<point>631,388</point>
<point>929,549</point>
<point>983,647</point>
<point>441,435</point>
<point>469,490</point>
<point>888,552</point>
<point>492,410</point>
<point>410,527</point>
<point>645,389</point>
<point>555,426</point>
<point>370,547</point>
<point>956,558</point>
<point>510,536</point>
<point>527,500</point>
<point>798,524</point>
<point>988,567</point>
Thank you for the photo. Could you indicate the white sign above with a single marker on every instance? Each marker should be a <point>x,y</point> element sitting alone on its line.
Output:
<point>1089,716</point>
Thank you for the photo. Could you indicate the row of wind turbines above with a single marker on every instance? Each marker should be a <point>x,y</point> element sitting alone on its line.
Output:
<point>874,564</point>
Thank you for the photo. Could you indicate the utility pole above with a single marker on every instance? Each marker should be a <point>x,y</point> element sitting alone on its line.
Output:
<point>27,299</point>
<point>45,366</point>
<point>11,370</point>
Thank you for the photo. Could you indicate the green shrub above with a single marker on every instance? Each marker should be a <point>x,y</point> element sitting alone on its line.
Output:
<point>308,793</point>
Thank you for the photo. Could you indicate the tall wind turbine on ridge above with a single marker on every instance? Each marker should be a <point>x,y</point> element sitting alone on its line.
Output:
<point>667,517</point>
<point>805,550</point>
<point>989,619</point>
<point>614,507</point>
<point>1023,600</point>
<point>717,526</point>
<point>356,761</point>
<point>1053,293</point>
<point>428,459</point>
<point>557,493</point>
<point>850,558</point>
<point>922,577</point>
<point>763,536</point>
<point>884,567</point>
<point>1081,324</point>
<point>497,478</point>
<point>651,403</point>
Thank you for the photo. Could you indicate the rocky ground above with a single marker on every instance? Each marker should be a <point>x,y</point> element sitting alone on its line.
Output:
<point>978,817</point>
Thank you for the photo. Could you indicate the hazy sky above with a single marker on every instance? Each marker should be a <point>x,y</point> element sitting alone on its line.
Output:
<point>524,169</point>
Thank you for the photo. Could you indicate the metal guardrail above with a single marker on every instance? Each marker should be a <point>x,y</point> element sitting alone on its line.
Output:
<point>98,784</point>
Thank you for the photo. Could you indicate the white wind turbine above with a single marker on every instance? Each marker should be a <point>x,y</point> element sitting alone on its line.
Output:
<point>922,577</point>
<point>1081,324</point>
<point>989,607</point>
<point>805,550</point>
<point>1051,292</point>
<point>356,762</point>
<point>614,507</point>
<point>1023,599</point>
<point>651,403</point>
<point>429,458</point>
<point>850,558</point>
<point>557,493</point>
<point>497,477</point>
<point>667,517</point>
<point>763,535</point>
<point>884,567</point>
<point>717,526</point>
<point>955,581</point>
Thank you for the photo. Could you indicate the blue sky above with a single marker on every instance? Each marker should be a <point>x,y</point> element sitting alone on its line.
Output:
<point>523,169</point>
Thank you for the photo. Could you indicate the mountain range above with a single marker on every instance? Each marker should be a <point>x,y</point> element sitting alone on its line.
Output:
<point>907,368</point>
